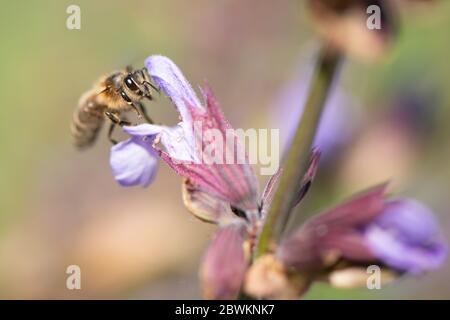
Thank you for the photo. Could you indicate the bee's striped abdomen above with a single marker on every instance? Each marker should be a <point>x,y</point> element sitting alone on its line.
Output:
<point>87,120</point>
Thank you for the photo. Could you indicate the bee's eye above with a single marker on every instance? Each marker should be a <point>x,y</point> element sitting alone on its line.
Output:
<point>124,96</point>
<point>129,82</point>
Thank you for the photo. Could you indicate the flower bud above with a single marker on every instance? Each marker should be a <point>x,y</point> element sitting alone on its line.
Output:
<point>364,29</point>
<point>268,279</point>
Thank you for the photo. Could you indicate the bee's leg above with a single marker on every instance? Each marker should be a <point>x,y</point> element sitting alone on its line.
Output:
<point>114,117</point>
<point>136,109</point>
<point>110,132</point>
<point>115,120</point>
<point>143,111</point>
<point>147,80</point>
<point>129,68</point>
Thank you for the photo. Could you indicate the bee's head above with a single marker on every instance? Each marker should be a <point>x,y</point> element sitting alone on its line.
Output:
<point>137,84</point>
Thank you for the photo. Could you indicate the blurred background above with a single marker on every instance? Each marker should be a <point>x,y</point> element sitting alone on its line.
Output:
<point>60,207</point>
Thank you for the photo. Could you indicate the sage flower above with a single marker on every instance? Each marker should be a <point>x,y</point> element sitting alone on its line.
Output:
<point>398,233</point>
<point>186,150</point>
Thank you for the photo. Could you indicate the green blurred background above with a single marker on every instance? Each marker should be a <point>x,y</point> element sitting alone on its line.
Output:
<point>60,207</point>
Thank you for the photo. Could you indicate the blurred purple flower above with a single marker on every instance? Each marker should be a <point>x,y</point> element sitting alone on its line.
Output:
<point>405,236</point>
<point>400,234</point>
<point>339,119</point>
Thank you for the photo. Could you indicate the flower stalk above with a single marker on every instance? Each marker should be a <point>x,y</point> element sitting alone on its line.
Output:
<point>298,156</point>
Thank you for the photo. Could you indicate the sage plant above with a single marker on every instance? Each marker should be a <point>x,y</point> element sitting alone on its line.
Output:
<point>250,254</point>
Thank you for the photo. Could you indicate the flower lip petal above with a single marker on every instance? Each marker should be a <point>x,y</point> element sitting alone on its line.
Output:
<point>172,83</point>
<point>174,139</point>
<point>143,130</point>
<point>133,162</point>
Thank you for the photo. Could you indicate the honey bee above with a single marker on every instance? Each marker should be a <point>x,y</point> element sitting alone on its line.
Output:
<point>112,95</point>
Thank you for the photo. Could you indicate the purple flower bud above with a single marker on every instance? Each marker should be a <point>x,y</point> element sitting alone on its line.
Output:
<point>224,264</point>
<point>406,237</point>
<point>400,234</point>
<point>325,238</point>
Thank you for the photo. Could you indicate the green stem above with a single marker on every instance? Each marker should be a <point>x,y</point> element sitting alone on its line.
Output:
<point>299,153</point>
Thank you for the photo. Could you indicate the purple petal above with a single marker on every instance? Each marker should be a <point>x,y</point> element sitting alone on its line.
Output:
<point>178,144</point>
<point>143,130</point>
<point>411,220</point>
<point>133,162</point>
<point>173,139</point>
<point>406,237</point>
<point>172,83</point>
